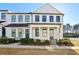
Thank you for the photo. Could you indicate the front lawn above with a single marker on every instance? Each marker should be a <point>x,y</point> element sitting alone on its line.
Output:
<point>75,42</point>
<point>25,51</point>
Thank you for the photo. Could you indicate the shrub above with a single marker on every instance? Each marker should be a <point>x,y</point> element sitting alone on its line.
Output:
<point>6,40</point>
<point>46,42</point>
<point>37,42</point>
<point>26,41</point>
<point>11,40</point>
<point>31,41</point>
<point>23,41</point>
<point>64,42</point>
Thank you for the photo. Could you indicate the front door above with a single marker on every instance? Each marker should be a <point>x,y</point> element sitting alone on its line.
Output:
<point>51,34</point>
<point>53,41</point>
<point>3,32</point>
<point>27,33</point>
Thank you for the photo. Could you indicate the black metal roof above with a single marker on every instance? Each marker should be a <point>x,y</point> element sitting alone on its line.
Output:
<point>2,21</point>
<point>17,25</point>
<point>3,10</point>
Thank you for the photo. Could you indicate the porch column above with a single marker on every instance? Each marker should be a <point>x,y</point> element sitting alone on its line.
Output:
<point>58,33</point>
<point>48,34</point>
<point>40,33</point>
<point>23,33</point>
<point>16,32</point>
<point>30,35</point>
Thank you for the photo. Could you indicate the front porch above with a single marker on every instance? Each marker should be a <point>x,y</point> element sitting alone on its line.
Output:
<point>44,33</point>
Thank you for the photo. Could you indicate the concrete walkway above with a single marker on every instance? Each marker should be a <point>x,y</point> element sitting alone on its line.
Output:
<point>16,45</point>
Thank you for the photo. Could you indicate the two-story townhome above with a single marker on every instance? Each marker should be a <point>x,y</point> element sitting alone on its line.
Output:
<point>45,23</point>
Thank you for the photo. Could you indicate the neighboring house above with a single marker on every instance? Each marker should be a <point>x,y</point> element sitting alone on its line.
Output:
<point>43,23</point>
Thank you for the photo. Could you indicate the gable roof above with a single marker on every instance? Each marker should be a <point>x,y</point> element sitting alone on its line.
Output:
<point>47,8</point>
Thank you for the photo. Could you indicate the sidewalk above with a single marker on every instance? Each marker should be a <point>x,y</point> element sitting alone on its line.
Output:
<point>16,45</point>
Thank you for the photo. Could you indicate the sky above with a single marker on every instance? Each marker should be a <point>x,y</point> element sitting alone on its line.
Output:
<point>70,10</point>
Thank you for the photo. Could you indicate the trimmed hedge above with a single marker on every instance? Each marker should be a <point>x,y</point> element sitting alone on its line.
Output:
<point>25,41</point>
<point>45,42</point>
<point>37,42</point>
<point>6,40</point>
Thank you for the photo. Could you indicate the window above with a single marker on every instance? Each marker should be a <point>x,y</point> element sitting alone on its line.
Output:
<point>37,18</point>
<point>27,33</point>
<point>3,15</point>
<point>57,18</point>
<point>20,33</point>
<point>44,32</point>
<point>27,18</point>
<point>51,31</point>
<point>13,18</point>
<point>51,19</point>
<point>13,32</point>
<point>37,32</point>
<point>20,18</point>
<point>43,18</point>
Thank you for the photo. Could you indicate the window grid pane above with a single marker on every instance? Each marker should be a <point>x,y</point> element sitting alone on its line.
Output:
<point>20,18</point>
<point>43,18</point>
<point>13,18</point>
<point>44,32</point>
<point>27,18</point>
<point>20,31</point>
<point>57,18</point>
<point>13,32</point>
<point>51,19</point>
<point>3,15</point>
<point>37,32</point>
<point>37,18</point>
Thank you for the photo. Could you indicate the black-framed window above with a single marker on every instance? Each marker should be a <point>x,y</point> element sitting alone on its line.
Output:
<point>3,15</point>
<point>51,18</point>
<point>43,18</point>
<point>44,32</point>
<point>27,18</point>
<point>20,18</point>
<point>13,18</point>
<point>13,33</point>
<point>57,18</point>
<point>36,18</point>
<point>37,32</point>
<point>20,33</point>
